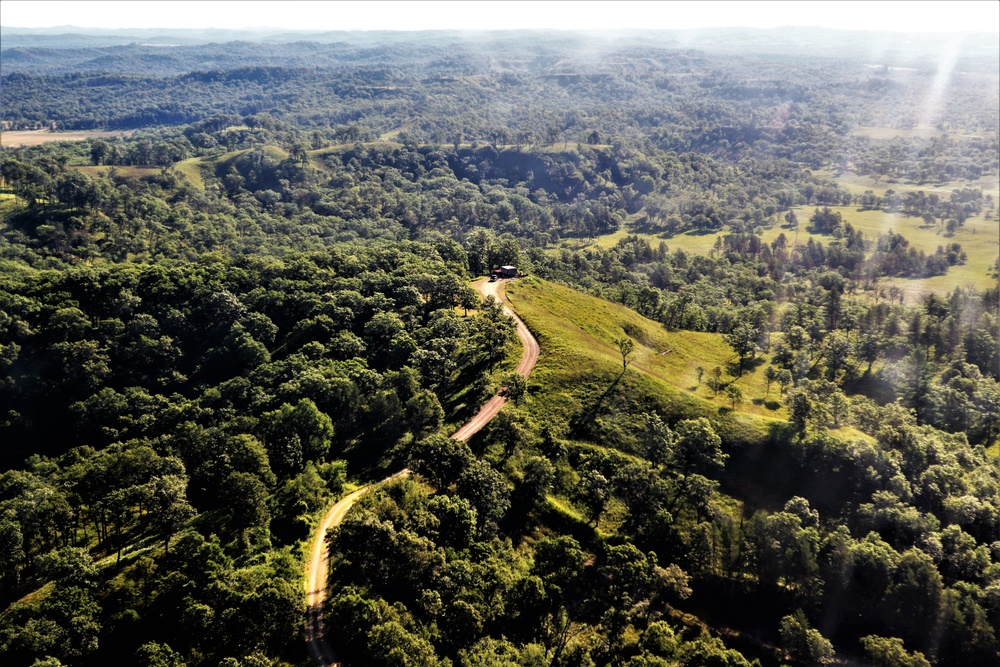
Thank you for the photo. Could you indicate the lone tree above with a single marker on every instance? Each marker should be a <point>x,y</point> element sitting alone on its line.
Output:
<point>806,645</point>
<point>734,394</point>
<point>625,345</point>
<point>800,409</point>
<point>715,382</point>
<point>770,376</point>
<point>784,380</point>
<point>743,340</point>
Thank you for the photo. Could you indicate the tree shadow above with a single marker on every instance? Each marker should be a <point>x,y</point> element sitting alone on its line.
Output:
<point>580,422</point>
<point>749,366</point>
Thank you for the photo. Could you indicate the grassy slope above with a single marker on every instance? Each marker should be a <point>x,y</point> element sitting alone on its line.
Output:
<point>577,331</point>
<point>192,170</point>
<point>576,377</point>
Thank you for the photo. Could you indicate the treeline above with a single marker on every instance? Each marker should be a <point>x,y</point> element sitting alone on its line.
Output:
<point>939,358</point>
<point>266,197</point>
<point>935,160</point>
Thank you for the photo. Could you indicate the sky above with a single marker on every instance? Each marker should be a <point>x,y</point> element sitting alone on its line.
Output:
<point>909,16</point>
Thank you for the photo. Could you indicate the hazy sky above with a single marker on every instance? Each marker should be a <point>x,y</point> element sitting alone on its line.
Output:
<point>979,16</point>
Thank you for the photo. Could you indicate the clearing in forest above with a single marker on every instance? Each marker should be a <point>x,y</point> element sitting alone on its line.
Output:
<point>19,138</point>
<point>979,238</point>
<point>577,333</point>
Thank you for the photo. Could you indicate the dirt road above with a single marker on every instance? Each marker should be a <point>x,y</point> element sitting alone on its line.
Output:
<point>320,649</point>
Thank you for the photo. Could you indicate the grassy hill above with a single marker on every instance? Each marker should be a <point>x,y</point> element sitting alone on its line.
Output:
<point>579,382</point>
<point>578,331</point>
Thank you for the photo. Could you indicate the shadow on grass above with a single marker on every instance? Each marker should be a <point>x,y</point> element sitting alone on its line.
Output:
<point>749,366</point>
<point>580,423</point>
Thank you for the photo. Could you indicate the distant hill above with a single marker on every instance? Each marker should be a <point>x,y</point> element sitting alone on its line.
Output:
<point>67,49</point>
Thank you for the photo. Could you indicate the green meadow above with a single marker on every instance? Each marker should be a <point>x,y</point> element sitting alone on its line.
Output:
<point>979,237</point>
<point>579,381</point>
<point>577,331</point>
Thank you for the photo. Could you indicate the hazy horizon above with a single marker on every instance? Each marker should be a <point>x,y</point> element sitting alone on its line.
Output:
<point>910,17</point>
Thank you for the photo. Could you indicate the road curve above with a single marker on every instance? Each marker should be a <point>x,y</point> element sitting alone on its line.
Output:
<point>320,650</point>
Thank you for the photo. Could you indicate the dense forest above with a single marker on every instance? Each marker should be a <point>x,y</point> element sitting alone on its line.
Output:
<point>764,428</point>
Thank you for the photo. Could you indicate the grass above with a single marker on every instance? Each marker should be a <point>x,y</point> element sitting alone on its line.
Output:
<point>980,238</point>
<point>857,184</point>
<point>37,137</point>
<point>578,382</point>
<point>576,331</point>
<point>691,242</point>
<point>194,168</point>
<point>191,169</point>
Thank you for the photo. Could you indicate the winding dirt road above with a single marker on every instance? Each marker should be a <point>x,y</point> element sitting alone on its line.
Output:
<point>322,653</point>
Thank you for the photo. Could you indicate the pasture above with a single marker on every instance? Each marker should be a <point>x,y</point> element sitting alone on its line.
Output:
<point>979,237</point>
<point>577,331</point>
<point>19,138</point>
<point>858,183</point>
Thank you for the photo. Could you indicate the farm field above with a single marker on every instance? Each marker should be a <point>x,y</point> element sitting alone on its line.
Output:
<point>36,137</point>
<point>858,183</point>
<point>980,238</point>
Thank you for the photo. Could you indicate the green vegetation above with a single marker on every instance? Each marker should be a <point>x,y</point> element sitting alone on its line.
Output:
<point>763,427</point>
<point>578,331</point>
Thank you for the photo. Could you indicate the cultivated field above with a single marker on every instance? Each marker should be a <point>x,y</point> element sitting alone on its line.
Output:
<point>35,137</point>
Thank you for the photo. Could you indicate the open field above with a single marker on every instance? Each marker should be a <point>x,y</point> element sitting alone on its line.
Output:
<point>576,331</point>
<point>980,238</point>
<point>35,137</point>
<point>857,184</point>
<point>191,169</point>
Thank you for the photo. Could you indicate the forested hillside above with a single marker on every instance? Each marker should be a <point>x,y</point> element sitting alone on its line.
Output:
<point>762,268</point>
